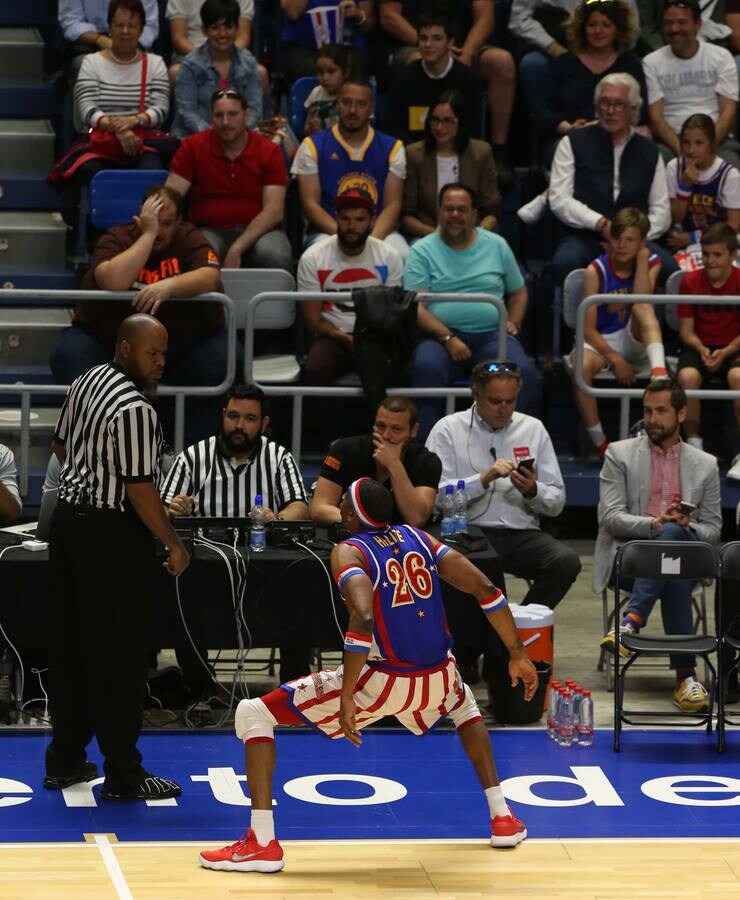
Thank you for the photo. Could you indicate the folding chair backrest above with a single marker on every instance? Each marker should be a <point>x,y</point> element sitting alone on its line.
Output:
<point>672,286</point>
<point>243,284</point>
<point>115,194</point>
<point>572,296</point>
<point>730,555</point>
<point>667,559</point>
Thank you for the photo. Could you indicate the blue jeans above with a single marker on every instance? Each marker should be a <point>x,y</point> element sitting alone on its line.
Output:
<point>189,362</point>
<point>432,366</point>
<point>534,71</point>
<point>675,597</point>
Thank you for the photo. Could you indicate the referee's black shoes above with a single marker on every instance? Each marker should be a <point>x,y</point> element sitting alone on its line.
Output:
<point>151,787</point>
<point>86,772</point>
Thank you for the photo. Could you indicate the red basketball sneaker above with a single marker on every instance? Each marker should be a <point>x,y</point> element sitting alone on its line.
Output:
<point>246,855</point>
<point>507,831</point>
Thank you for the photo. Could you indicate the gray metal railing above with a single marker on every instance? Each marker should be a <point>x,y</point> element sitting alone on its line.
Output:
<point>70,298</point>
<point>299,391</point>
<point>626,393</point>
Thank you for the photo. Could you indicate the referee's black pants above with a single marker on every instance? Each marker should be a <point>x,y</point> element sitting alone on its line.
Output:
<point>103,571</point>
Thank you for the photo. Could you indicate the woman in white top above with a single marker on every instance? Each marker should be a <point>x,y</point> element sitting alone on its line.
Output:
<point>703,187</point>
<point>108,90</point>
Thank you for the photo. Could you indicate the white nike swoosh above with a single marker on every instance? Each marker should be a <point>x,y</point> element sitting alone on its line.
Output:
<point>236,858</point>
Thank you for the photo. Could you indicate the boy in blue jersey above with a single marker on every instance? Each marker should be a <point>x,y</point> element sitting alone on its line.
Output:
<point>397,662</point>
<point>622,337</point>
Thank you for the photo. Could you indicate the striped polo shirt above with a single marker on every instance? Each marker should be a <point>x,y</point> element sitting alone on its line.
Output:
<point>111,435</point>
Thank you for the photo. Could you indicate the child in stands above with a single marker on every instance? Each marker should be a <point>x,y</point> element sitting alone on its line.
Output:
<point>711,334</point>
<point>703,188</point>
<point>333,68</point>
<point>620,336</point>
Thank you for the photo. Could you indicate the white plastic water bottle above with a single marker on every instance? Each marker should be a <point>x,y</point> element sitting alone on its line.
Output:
<point>461,507</point>
<point>552,708</point>
<point>577,698</point>
<point>448,512</point>
<point>257,535</point>
<point>586,721</point>
<point>565,719</point>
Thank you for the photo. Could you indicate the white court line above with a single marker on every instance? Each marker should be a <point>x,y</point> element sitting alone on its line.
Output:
<point>46,845</point>
<point>111,864</point>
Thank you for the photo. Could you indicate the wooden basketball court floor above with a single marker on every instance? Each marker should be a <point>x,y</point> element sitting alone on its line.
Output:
<point>102,868</point>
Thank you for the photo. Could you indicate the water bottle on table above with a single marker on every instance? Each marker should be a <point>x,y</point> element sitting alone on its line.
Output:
<point>461,507</point>
<point>448,512</point>
<point>257,535</point>
<point>565,719</point>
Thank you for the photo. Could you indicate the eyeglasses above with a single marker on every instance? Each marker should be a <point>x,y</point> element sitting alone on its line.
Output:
<point>447,120</point>
<point>591,2</point>
<point>460,210</point>
<point>607,103</point>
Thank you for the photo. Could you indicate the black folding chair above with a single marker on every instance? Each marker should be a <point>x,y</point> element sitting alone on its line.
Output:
<point>730,556</point>
<point>667,559</point>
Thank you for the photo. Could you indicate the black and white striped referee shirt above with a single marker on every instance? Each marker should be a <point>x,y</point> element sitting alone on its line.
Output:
<point>219,487</point>
<point>111,435</point>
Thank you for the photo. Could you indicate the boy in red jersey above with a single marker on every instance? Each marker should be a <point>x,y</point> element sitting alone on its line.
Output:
<point>711,334</point>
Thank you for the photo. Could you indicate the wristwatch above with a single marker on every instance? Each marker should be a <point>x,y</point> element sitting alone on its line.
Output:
<point>446,337</point>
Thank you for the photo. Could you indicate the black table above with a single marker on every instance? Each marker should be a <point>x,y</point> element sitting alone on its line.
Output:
<point>289,601</point>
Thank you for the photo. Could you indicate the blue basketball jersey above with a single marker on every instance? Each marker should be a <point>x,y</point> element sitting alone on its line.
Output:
<point>705,202</point>
<point>339,172</point>
<point>410,628</point>
<point>611,318</point>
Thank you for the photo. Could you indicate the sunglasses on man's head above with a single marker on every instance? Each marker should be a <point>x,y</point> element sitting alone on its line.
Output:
<point>229,93</point>
<point>495,367</point>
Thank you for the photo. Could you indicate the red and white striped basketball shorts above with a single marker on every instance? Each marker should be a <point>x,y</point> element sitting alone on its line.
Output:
<point>418,700</point>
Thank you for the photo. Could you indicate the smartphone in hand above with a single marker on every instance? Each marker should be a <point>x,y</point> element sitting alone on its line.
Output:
<point>686,507</point>
<point>526,463</point>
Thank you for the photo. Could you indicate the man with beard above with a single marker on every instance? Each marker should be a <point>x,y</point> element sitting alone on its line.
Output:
<point>103,567</point>
<point>160,257</point>
<point>221,476</point>
<point>235,180</point>
<point>352,154</point>
<point>644,482</point>
<point>349,259</point>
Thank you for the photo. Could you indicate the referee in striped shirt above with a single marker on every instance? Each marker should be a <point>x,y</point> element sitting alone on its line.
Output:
<point>221,476</point>
<point>103,566</point>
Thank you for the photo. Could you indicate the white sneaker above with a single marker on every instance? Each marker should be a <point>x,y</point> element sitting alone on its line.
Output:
<point>534,210</point>
<point>733,473</point>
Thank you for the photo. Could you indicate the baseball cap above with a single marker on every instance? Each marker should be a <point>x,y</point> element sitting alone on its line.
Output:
<point>354,197</point>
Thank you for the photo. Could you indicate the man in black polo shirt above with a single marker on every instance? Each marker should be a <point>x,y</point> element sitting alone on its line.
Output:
<point>409,471</point>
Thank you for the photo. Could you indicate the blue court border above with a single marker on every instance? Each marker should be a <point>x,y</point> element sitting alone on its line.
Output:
<point>663,784</point>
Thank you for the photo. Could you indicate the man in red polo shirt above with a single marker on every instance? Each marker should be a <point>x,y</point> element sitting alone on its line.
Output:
<point>236,182</point>
<point>711,334</point>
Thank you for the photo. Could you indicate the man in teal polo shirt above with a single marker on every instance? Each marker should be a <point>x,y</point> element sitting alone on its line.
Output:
<point>460,258</point>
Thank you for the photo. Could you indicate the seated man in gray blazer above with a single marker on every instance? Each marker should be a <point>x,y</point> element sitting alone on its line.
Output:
<point>643,483</point>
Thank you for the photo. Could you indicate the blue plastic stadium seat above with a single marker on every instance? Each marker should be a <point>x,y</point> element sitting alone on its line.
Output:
<point>115,194</point>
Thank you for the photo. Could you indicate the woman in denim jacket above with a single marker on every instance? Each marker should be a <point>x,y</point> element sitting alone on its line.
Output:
<point>218,64</point>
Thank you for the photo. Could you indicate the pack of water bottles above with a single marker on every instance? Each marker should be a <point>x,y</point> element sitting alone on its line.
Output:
<point>454,510</point>
<point>570,714</point>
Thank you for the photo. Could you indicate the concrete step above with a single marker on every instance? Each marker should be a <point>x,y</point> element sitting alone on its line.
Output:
<point>28,335</point>
<point>28,98</point>
<point>30,190</point>
<point>43,423</point>
<point>26,145</point>
<point>28,237</point>
<point>30,278</point>
<point>21,53</point>
<point>28,12</point>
